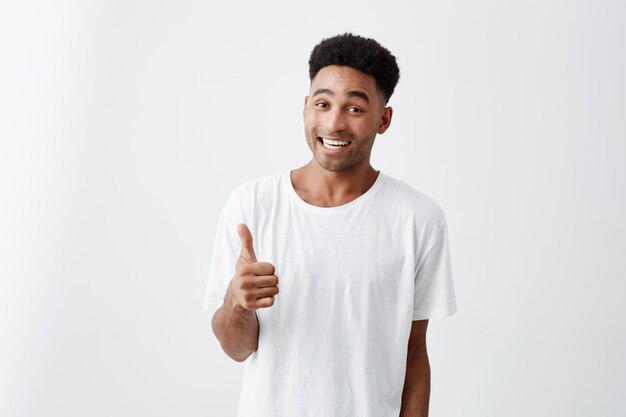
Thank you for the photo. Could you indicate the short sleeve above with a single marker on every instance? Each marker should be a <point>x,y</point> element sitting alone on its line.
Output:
<point>434,290</point>
<point>226,249</point>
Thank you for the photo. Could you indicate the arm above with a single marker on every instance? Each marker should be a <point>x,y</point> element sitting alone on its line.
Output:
<point>236,328</point>
<point>416,393</point>
<point>254,286</point>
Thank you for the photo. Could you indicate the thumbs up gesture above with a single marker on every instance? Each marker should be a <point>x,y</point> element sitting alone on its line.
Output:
<point>255,283</point>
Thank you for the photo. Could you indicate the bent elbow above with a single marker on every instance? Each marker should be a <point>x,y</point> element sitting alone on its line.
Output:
<point>239,357</point>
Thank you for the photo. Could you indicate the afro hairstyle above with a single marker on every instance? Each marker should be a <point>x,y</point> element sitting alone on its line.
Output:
<point>360,53</point>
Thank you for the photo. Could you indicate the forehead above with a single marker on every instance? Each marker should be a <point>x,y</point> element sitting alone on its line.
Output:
<point>341,79</point>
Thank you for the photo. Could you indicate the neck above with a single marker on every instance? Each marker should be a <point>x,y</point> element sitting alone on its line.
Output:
<point>323,188</point>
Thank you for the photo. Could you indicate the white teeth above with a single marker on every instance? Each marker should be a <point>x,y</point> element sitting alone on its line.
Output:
<point>334,143</point>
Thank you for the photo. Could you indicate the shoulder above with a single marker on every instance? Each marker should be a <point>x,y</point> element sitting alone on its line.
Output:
<point>408,199</point>
<point>257,191</point>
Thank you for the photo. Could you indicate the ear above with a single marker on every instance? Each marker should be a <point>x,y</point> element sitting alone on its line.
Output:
<point>385,120</point>
<point>306,100</point>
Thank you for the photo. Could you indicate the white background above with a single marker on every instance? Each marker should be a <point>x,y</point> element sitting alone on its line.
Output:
<point>124,126</point>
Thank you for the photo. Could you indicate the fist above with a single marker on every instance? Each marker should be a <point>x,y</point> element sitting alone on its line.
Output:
<point>255,284</point>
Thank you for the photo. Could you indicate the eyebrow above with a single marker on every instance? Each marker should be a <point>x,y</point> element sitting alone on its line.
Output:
<point>359,94</point>
<point>330,92</point>
<point>323,91</point>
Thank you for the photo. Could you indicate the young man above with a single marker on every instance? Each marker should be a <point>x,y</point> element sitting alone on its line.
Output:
<point>362,260</point>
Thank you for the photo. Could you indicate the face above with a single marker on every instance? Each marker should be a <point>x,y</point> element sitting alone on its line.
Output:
<point>342,115</point>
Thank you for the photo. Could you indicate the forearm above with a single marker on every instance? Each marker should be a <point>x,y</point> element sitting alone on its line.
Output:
<point>416,393</point>
<point>236,328</point>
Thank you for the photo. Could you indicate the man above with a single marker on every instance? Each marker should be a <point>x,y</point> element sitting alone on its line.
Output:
<point>361,260</point>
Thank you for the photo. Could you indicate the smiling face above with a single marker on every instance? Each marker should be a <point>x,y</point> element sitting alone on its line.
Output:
<point>342,115</point>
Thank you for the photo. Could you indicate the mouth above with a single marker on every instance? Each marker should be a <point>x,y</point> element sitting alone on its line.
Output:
<point>333,144</point>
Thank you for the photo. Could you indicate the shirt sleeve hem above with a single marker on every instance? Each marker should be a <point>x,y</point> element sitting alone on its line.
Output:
<point>434,313</point>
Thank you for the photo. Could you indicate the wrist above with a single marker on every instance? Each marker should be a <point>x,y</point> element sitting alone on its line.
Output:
<point>231,304</point>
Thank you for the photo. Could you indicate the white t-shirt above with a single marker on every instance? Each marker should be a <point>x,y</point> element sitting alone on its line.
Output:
<point>351,280</point>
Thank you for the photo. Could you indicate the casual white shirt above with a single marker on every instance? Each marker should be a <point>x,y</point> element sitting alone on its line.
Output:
<point>352,278</point>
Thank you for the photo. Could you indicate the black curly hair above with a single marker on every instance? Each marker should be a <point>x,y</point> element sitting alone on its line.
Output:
<point>360,53</point>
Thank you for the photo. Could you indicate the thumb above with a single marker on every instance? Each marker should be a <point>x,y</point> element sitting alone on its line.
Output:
<point>247,251</point>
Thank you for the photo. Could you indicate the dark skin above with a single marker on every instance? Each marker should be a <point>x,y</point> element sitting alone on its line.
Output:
<point>343,104</point>
<point>343,113</point>
<point>416,393</point>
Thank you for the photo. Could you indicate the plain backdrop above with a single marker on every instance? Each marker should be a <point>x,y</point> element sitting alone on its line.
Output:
<point>125,124</point>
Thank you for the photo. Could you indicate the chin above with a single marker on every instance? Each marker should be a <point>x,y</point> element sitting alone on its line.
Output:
<point>332,167</point>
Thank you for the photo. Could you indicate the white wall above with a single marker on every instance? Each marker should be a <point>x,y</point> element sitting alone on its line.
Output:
<point>124,125</point>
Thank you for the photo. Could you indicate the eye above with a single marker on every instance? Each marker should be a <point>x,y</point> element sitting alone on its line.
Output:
<point>321,105</point>
<point>354,110</point>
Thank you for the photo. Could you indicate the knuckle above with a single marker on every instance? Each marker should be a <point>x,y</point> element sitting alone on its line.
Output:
<point>265,268</point>
<point>246,284</point>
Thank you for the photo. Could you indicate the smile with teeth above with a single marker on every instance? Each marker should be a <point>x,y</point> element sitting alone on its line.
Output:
<point>334,144</point>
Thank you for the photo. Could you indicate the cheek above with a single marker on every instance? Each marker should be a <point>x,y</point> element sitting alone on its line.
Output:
<point>309,120</point>
<point>366,128</point>
<point>375,125</point>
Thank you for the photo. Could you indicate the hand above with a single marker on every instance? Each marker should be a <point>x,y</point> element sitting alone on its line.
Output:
<point>255,283</point>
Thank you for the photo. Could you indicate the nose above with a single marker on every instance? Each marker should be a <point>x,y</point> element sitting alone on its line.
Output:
<point>335,120</point>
